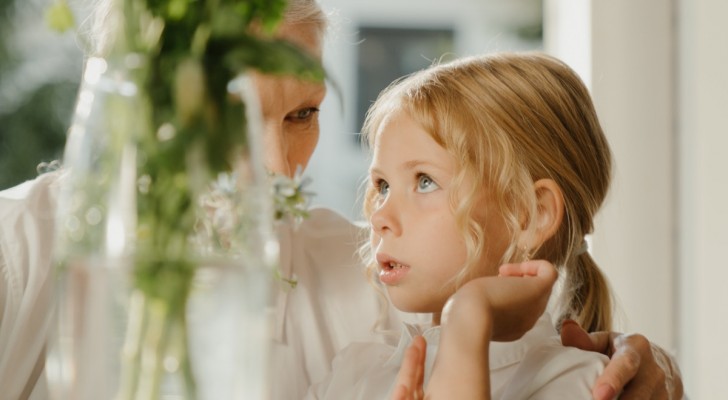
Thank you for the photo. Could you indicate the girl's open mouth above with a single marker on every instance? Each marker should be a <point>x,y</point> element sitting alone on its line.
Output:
<point>391,271</point>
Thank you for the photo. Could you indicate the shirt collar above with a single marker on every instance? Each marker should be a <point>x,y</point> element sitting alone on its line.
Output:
<point>502,354</point>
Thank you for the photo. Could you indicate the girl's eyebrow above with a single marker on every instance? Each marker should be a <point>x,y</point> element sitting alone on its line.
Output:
<point>409,166</point>
<point>374,171</point>
<point>415,164</point>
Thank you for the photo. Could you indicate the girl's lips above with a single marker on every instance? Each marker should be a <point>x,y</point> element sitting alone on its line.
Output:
<point>391,271</point>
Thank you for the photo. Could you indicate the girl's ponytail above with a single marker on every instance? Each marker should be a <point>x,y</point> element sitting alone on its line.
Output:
<point>587,294</point>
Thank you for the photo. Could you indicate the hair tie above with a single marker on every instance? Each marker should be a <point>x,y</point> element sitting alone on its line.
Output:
<point>583,248</point>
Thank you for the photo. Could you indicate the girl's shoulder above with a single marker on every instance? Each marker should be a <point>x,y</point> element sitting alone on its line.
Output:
<point>550,370</point>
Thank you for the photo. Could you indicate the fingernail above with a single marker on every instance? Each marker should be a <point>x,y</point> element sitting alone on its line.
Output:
<point>569,322</point>
<point>604,392</point>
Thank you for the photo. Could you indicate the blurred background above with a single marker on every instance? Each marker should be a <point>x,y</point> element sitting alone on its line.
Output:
<point>39,74</point>
<point>656,69</point>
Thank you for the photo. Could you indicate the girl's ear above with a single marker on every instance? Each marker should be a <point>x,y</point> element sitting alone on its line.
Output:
<point>550,212</point>
<point>549,215</point>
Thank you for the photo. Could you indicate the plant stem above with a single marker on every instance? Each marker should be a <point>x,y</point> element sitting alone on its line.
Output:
<point>131,351</point>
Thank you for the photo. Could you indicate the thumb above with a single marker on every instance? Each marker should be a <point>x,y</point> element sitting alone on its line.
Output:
<point>573,335</point>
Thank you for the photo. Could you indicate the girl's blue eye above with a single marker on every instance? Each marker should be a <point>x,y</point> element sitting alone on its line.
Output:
<point>382,188</point>
<point>425,184</point>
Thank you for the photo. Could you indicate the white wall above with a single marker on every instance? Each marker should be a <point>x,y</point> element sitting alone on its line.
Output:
<point>634,90</point>
<point>658,76</point>
<point>703,199</point>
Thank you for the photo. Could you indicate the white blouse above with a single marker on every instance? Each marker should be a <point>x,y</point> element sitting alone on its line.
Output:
<point>332,306</point>
<point>27,214</point>
<point>536,366</point>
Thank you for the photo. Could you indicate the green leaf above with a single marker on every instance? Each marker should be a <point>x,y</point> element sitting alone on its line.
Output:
<point>176,9</point>
<point>59,16</point>
<point>270,56</point>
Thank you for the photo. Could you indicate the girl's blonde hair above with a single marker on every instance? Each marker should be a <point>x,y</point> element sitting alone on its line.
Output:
<point>509,120</point>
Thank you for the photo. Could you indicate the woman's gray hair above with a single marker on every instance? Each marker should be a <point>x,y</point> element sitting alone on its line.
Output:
<point>306,12</point>
<point>96,29</point>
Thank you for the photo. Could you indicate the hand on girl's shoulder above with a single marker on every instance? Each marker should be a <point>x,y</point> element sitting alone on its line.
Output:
<point>552,371</point>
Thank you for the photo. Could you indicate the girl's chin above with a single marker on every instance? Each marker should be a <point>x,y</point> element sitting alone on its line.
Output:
<point>411,305</point>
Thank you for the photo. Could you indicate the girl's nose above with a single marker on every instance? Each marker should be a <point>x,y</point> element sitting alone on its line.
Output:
<point>386,218</point>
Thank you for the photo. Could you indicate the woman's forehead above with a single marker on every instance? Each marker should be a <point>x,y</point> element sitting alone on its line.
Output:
<point>307,36</point>
<point>285,93</point>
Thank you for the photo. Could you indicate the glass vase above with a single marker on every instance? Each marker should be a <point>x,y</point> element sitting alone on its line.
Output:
<point>165,258</point>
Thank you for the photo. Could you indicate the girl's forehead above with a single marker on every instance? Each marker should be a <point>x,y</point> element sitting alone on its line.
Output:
<point>392,115</point>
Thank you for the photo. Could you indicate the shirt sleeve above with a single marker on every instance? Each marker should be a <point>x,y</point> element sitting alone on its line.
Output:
<point>27,214</point>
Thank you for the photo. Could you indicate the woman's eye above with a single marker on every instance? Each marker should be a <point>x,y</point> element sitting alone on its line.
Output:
<point>303,114</point>
<point>425,184</point>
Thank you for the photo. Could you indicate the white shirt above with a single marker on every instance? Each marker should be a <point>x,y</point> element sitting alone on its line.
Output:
<point>536,366</point>
<point>27,214</point>
<point>332,306</point>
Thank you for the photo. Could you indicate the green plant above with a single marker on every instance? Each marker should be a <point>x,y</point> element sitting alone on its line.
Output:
<point>182,57</point>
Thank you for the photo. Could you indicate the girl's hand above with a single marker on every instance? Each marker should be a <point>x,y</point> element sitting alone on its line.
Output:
<point>412,372</point>
<point>513,301</point>
<point>490,308</point>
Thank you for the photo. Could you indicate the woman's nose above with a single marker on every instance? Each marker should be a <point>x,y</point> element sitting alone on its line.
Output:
<point>276,149</point>
<point>386,218</point>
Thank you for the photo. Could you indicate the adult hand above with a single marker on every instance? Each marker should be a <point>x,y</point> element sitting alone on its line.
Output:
<point>638,368</point>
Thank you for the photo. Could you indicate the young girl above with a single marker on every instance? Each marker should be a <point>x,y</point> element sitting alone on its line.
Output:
<point>479,163</point>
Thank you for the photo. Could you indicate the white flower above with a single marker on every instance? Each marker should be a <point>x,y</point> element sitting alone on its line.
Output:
<point>223,213</point>
<point>290,197</point>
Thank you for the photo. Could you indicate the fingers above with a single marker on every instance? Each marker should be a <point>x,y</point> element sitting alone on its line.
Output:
<point>631,370</point>
<point>621,369</point>
<point>636,370</point>
<point>412,372</point>
<point>573,335</point>
<point>421,345</point>
<point>539,268</point>
<point>673,380</point>
<point>617,372</point>
<point>401,393</point>
<point>651,379</point>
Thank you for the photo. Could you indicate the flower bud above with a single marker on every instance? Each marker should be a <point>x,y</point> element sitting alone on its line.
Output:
<point>189,90</point>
